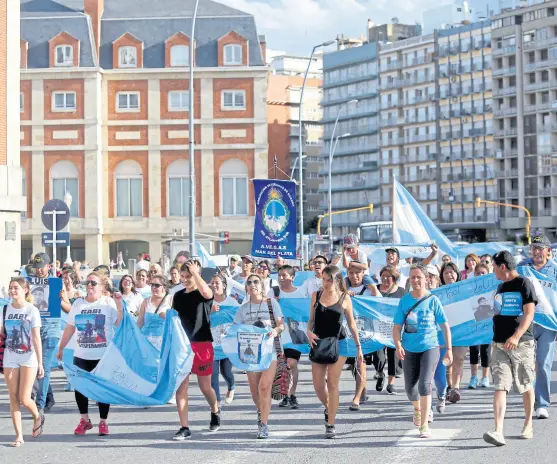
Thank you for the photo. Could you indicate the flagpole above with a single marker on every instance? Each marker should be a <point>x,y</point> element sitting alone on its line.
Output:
<point>393,207</point>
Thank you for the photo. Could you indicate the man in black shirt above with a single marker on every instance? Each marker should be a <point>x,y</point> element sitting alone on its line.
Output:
<point>193,305</point>
<point>512,348</point>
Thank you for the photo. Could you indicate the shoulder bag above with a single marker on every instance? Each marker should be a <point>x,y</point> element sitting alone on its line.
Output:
<point>3,338</point>
<point>326,350</point>
<point>283,378</point>
<point>413,308</point>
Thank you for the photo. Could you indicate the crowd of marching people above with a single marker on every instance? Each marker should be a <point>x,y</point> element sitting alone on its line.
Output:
<point>520,354</point>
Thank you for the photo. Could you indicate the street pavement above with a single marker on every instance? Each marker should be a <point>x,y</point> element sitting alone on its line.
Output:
<point>381,431</point>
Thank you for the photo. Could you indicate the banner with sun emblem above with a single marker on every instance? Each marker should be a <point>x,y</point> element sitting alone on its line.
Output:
<point>274,233</point>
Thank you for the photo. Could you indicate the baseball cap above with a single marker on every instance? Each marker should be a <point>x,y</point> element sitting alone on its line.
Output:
<point>350,241</point>
<point>235,258</point>
<point>393,250</point>
<point>431,269</point>
<point>541,241</point>
<point>248,258</point>
<point>41,260</point>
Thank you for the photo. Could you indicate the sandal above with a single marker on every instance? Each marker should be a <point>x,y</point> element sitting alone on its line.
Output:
<point>417,418</point>
<point>39,428</point>
<point>17,443</point>
<point>354,407</point>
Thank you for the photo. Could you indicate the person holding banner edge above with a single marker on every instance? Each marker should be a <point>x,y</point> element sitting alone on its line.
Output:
<point>416,340</point>
<point>257,311</point>
<point>328,308</point>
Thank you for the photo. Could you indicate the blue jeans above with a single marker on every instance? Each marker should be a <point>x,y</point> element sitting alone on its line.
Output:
<point>50,347</point>
<point>225,368</point>
<point>545,349</point>
<point>440,376</point>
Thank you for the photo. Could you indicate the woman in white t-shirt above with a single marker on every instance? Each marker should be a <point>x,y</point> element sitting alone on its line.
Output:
<point>20,326</point>
<point>132,298</point>
<point>93,318</point>
<point>142,283</point>
<point>256,312</point>
<point>159,301</point>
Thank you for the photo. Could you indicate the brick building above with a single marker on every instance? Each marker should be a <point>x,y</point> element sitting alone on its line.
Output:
<point>104,115</point>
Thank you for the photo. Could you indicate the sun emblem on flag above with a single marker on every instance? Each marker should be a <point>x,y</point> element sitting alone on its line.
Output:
<point>275,213</point>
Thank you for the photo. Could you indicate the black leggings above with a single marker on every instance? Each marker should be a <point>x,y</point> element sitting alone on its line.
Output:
<point>81,400</point>
<point>481,352</point>
<point>394,365</point>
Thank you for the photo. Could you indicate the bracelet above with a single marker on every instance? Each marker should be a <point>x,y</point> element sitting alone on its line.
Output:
<point>358,346</point>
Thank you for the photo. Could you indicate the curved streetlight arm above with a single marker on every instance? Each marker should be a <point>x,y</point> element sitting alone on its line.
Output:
<point>528,216</point>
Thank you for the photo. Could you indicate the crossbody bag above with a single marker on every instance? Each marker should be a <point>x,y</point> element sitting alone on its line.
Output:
<point>283,377</point>
<point>325,350</point>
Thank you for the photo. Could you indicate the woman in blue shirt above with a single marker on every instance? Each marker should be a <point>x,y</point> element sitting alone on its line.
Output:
<point>416,320</point>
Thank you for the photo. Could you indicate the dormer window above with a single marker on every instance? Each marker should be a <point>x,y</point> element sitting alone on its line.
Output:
<point>127,57</point>
<point>232,55</point>
<point>179,55</point>
<point>64,55</point>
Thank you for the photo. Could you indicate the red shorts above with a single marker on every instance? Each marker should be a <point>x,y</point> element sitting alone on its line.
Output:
<point>203,356</point>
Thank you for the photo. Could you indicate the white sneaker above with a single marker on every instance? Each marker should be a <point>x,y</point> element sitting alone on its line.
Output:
<point>542,413</point>
<point>229,397</point>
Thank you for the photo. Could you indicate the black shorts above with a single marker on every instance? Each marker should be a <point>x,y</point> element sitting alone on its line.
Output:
<point>292,354</point>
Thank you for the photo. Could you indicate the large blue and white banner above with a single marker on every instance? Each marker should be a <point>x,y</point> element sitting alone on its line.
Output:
<point>274,232</point>
<point>132,371</point>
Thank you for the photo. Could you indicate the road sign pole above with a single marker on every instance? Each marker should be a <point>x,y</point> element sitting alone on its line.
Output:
<point>54,244</point>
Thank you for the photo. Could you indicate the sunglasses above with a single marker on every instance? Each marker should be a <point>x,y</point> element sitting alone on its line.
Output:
<point>319,262</point>
<point>92,283</point>
<point>263,268</point>
<point>253,282</point>
<point>156,285</point>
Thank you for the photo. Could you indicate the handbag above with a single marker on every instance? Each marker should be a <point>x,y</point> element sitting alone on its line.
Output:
<point>283,377</point>
<point>412,309</point>
<point>3,338</point>
<point>326,350</point>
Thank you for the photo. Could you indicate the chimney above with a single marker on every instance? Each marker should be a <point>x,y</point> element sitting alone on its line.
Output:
<point>95,9</point>
<point>263,45</point>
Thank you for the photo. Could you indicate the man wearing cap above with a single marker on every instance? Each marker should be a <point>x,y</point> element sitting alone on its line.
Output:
<point>392,258</point>
<point>545,338</point>
<point>353,253</point>
<point>247,264</point>
<point>50,337</point>
<point>233,268</point>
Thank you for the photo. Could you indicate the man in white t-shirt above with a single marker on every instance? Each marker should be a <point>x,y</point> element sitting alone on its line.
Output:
<point>286,289</point>
<point>353,253</point>
<point>315,283</point>
<point>142,264</point>
<point>233,268</point>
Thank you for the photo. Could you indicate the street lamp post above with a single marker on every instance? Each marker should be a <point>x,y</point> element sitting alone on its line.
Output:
<point>192,137</point>
<point>68,201</point>
<point>331,155</point>
<point>294,167</point>
<point>479,201</point>
<point>300,153</point>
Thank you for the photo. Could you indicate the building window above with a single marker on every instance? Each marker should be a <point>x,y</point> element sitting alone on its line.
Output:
<point>234,188</point>
<point>179,188</point>
<point>21,102</point>
<point>127,102</point>
<point>232,55</point>
<point>63,101</point>
<point>64,55</point>
<point>233,100</point>
<point>179,55</point>
<point>127,57</point>
<point>129,189</point>
<point>178,100</point>
<point>64,178</point>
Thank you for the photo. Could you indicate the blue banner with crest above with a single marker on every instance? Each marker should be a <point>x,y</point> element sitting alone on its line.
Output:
<point>274,232</point>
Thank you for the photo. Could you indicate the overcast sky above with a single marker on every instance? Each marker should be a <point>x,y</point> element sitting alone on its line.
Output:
<point>295,26</point>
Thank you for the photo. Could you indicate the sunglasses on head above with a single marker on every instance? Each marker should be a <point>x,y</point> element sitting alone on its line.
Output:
<point>253,282</point>
<point>92,283</point>
<point>156,285</point>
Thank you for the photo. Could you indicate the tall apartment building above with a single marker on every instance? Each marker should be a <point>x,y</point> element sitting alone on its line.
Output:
<point>104,115</point>
<point>466,156</point>
<point>525,119</point>
<point>12,202</point>
<point>283,98</point>
<point>409,122</point>
<point>348,75</point>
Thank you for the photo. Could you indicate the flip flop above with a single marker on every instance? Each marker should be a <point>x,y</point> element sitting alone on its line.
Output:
<point>17,443</point>
<point>39,428</point>
<point>354,407</point>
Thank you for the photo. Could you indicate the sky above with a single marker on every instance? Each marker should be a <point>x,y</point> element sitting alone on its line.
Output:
<point>295,26</point>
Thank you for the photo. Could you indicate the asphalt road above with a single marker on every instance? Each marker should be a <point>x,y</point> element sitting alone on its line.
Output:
<point>381,431</point>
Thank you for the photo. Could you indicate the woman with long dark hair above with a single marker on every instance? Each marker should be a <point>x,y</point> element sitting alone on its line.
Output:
<point>159,301</point>
<point>131,297</point>
<point>329,307</point>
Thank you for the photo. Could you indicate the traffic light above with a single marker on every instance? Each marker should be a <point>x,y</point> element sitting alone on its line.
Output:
<point>226,236</point>
<point>370,208</point>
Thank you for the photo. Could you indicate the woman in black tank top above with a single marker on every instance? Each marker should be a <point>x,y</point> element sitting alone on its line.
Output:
<point>328,309</point>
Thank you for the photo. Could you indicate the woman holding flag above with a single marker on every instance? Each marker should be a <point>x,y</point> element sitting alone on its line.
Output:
<point>263,312</point>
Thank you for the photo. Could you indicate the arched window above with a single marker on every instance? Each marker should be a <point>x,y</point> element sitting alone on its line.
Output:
<point>232,55</point>
<point>178,188</point>
<point>64,178</point>
<point>129,189</point>
<point>234,188</point>
<point>179,55</point>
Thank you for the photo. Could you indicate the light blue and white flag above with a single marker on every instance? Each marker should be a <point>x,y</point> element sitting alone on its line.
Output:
<point>412,225</point>
<point>376,251</point>
<point>206,258</point>
<point>483,248</point>
<point>153,329</point>
<point>132,371</point>
<point>299,278</point>
<point>546,293</point>
<point>221,321</point>
<point>248,347</point>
